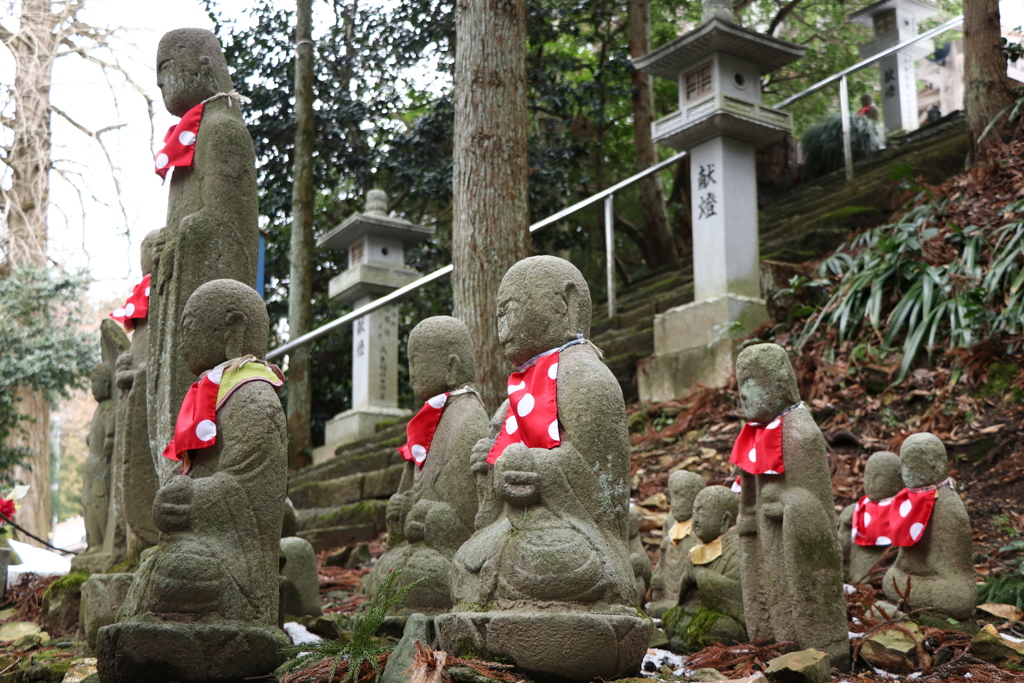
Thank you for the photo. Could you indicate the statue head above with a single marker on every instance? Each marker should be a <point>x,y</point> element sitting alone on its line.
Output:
<point>766,382</point>
<point>101,382</point>
<point>190,68</point>
<point>543,303</point>
<point>714,512</point>
<point>924,460</point>
<point>882,476</point>
<point>866,100</point>
<point>440,356</point>
<point>683,487</point>
<point>222,320</point>
<point>146,251</point>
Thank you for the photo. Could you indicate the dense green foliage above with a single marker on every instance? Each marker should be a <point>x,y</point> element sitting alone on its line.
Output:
<point>823,144</point>
<point>43,347</point>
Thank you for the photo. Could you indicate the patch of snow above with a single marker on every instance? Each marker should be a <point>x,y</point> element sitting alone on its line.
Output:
<point>299,634</point>
<point>36,561</point>
<point>885,674</point>
<point>850,590</point>
<point>916,674</point>
<point>660,658</point>
<point>854,636</point>
<point>1012,639</point>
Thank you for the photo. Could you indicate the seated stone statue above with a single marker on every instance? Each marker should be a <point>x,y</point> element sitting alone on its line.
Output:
<point>882,481</point>
<point>204,606</point>
<point>673,560</point>
<point>96,472</point>
<point>792,567</point>
<point>714,571</point>
<point>433,512</point>
<point>547,580</point>
<point>639,559</point>
<point>937,565</point>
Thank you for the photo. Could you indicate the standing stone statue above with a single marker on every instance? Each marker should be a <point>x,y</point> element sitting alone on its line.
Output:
<point>433,512</point>
<point>882,481</point>
<point>212,212</point>
<point>639,559</point>
<point>547,582</point>
<point>937,567</point>
<point>792,566</point>
<point>677,539</point>
<point>714,570</point>
<point>136,465</point>
<point>104,531</point>
<point>204,606</point>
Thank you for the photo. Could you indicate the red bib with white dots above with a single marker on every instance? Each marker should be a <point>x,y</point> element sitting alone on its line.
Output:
<point>420,430</point>
<point>136,307</point>
<point>180,142</point>
<point>532,417</point>
<point>758,448</point>
<point>196,426</point>
<point>900,522</point>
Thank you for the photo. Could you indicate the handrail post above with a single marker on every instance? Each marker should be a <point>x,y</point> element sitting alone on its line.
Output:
<point>844,115</point>
<point>609,250</point>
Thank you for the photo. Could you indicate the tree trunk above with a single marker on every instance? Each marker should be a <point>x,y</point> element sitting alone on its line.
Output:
<point>490,227</point>
<point>987,90</point>
<point>658,248</point>
<point>300,293</point>
<point>34,49</point>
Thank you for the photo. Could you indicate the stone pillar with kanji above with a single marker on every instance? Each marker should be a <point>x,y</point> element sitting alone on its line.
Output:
<point>376,244</point>
<point>892,22</point>
<point>721,122</point>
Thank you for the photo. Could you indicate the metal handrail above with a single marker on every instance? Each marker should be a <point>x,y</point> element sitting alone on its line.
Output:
<point>402,292</point>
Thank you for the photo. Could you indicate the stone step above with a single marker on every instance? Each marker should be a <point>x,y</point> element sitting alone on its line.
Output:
<point>339,536</point>
<point>374,453</point>
<point>340,491</point>
<point>364,512</point>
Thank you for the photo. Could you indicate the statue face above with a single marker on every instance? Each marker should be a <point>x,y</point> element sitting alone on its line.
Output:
<point>440,357</point>
<point>882,476</point>
<point>190,69</point>
<point>714,512</point>
<point>100,379</point>
<point>766,382</point>
<point>203,344</point>
<point>683,490</point>
<point>530,322</point>
<point>924,460</point>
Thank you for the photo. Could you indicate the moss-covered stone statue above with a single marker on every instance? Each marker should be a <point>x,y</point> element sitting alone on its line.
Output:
<point>882,481</point>
<point>433,512</point>
<point>547,582</point>
<point>673,560</point>
<point>212,212</point>
<point>204,606</point>
<point>792,566</point>
<point>639,559</point>
<point>714,571</point>
<point>937,567</point>
<point>104,531</point>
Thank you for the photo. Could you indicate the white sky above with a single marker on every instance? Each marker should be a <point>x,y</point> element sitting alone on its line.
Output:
<point>100,243</point>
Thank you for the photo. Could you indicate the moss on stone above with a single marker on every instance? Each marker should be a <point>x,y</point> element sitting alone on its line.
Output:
<point>71,582</point>
<point>1000,377</point>
<point>393,442</point>
<point>695,635</point>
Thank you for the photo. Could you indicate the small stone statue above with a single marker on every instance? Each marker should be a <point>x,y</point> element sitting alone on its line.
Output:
<point>212,212</point>
<point>714,569</point>
<point>204,606</point>
<point>670,574</point>
<point>639,559</point>
<point>547,581</point>
<point>937,567</point>
<point>868,108</point>
<point>433,512</point>
<point>792,566</point>
<point>716,9</point>
<point>882,481</point>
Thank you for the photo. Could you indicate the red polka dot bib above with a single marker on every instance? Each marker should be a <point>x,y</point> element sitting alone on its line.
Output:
<point>196,426</point>
<point>420,430</point>
<point>532,417</point>
<point>180,142</point>
<point>900,520</point>
<point>758,448</point>
<point>136,307</point>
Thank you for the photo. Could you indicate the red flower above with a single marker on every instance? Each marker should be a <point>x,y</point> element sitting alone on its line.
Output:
<point>7,509</point>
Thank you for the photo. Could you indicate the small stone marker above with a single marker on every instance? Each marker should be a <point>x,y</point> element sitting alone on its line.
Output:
<point>300,590</point>
<point>895,649</point>
<point>992,646</point>
<point>805,666</point>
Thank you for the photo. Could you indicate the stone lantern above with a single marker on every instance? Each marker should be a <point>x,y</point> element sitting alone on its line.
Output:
<point>721,122</point>
<point>894,21</point>
<point>376,246</point>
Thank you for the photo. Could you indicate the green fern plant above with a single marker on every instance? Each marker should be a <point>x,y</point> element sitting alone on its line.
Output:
<point>822,144</point>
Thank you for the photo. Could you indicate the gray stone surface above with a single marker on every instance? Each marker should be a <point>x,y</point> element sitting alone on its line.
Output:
<point>939,564</point>
<point>433,512</point>
<point>792,565</point>
<point>639,559</point>
<point>674,558</point>
<point>546,579</point>
<point>301,587</point>
<point>882,479</point>
<point>204,606</point>
<point>417,629</point>
<point>102,597</point>
<point>212,211</point>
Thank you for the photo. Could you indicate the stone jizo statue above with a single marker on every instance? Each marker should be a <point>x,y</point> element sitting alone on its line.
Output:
<point>433,513</point>
<point>791,563</point>
<point>96,473</point>
<point>547,580</point>
<point>882,480</point>
<point>204,606</point>
<point>938,566</point>
<point>673,561</point>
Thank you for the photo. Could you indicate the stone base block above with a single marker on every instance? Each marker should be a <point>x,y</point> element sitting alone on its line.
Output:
<point>693,344</point>
<point>551,646</point>
<point>161,652</point>
<point>351,426</point>
<point>102,597</point>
